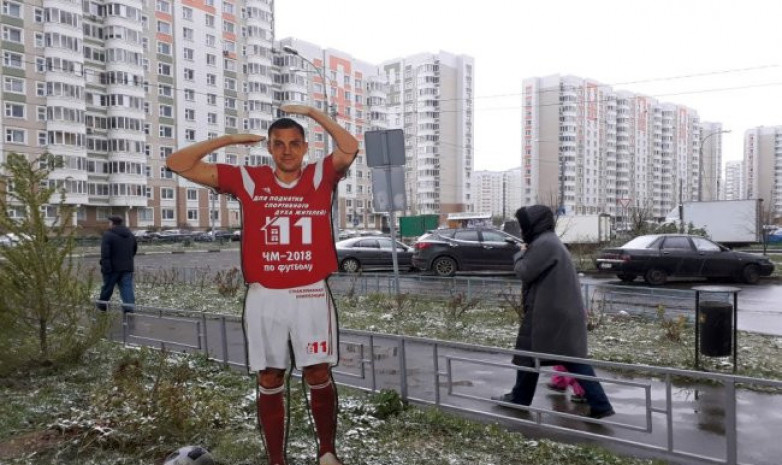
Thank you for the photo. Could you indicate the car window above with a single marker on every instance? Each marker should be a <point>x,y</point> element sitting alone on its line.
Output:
<point>385,243</point>
<point>493,236</point>
<point>640,242</point>
<point>371,243</point>
<point>677,242</point>
<point>466,235</point>
<point>704,245</point>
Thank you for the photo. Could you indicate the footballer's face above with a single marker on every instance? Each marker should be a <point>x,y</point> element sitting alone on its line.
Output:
<point>287,147</point>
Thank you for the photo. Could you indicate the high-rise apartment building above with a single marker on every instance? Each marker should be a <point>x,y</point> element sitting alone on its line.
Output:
<point>497,192</point>
<point>733,187</point>
<point>587,149</point>
<point>763,166</point>
<point>710,155</point>
<point>430,98</point>
<point>114,88</point>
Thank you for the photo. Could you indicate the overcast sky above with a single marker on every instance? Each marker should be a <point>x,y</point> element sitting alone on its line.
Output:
<point>722,58</point>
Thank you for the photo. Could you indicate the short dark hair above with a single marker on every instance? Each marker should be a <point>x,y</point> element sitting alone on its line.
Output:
<point>116,220</point>
<point>286,123</point>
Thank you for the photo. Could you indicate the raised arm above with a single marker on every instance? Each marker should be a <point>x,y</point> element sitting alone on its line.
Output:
<point>345,145</point>
<point>188,164</point>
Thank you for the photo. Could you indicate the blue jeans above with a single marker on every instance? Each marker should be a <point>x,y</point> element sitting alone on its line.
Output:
<point>526,383</point>
<point>123,280</point>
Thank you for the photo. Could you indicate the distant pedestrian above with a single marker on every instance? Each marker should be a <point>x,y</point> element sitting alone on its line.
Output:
<point>554,319</point>
<point>117,249</point>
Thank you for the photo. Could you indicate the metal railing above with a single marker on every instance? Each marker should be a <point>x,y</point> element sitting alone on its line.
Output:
<point>460,377</point>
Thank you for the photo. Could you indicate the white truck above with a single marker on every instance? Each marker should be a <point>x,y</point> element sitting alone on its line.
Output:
<point>725,221</point>
<point>584,229</point>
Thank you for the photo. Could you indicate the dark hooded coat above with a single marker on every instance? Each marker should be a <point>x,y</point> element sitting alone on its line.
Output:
<point>554,313</point>
<point>117,249</point>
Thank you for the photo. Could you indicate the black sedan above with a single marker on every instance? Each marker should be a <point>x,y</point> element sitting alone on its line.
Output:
<point>373,252</point>
<point>656,257</point>
<point>446,251</point>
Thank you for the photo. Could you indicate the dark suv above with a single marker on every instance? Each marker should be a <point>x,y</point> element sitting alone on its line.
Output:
<point>446,251</point>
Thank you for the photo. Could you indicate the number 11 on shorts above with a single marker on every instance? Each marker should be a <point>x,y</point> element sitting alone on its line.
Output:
<point>317,347</point>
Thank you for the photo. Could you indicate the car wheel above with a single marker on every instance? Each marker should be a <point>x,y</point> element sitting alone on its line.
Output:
<point>655,277</point>
<point>626,277</point>
<point>750,274</point>
<point>351,265</point>
<point>444,266</point>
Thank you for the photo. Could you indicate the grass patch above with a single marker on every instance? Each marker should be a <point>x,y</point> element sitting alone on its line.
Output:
<point>119,407</point>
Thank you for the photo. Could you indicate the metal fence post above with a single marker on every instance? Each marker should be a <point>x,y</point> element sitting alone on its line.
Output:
<point>402,369</point>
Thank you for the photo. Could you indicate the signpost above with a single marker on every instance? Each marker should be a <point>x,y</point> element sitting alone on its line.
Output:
<point>385,150</point>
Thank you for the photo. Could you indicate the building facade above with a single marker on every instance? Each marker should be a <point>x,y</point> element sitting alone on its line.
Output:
<point>733,187</point>
<point>763,167</point>
<point>431,99</point>
<point>587,149</point>
<point>114,88</point>
<point>497,192</point>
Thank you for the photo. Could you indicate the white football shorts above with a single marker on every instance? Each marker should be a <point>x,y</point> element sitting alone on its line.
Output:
<point>304,315</point>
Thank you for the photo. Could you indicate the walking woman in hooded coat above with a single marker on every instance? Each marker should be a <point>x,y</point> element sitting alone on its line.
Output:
<point>554,319</point>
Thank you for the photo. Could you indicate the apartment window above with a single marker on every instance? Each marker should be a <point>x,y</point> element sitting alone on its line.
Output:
<point>164,27</point>
<point>210,40</point>
<point>211,99</point>
<point>192,214</point>
<point>229,64</point>
<point>166,111</point>
<point>230,122</point>
<point>166,131</point>
<point>187,13</point>
<point>209,2</point>
<point>12,9</point>
<point>211,118</point>
<point>14,110</point>
<point>211,59</point>
<point>229,8</point>
<point>166,152</point>
<point>229,46</point>
<point>164,48</point>
<point>209,20</point>
<point>164,69</point>
<point>211,135</point>
<point>189,114</point>
<point>43,139</point>
<point>190,135</point>
<point>13,84</point>
<point>211,79</point>
<point>229,27</point>
<point>13,34</point>
<point>190,95</point>
<point>192,194</point>
<point>41,113</point>
<point>230,102</point>
<point>15,136</point>
<point>163,5</point>
<point>167,213</point>
<point>165,90</point>
<point>187,33</point>
<point>189,74</point>
<point>13,60</point>
<point>167,193</point>
<point>230,83</point>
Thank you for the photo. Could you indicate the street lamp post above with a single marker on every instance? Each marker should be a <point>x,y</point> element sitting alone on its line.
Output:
<point>330,111</point>
<point>700,159</point>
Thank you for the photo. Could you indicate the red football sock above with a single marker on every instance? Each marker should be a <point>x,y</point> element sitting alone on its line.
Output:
<point>271,415</point>
<point>323,400</point>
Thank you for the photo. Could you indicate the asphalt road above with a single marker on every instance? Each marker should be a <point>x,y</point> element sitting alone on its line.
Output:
<point>759,305</point>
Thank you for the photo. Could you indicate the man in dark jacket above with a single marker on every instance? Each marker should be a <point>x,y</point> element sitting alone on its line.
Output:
<point>554,317</point>
<point>117,249</point>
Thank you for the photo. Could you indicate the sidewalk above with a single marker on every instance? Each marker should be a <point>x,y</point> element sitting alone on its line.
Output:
<point>696,421</point>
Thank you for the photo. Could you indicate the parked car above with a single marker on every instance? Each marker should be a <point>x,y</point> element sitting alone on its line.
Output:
<point>446,251</point>
<point>142,235</point>
<point>656,257</point>
<point>220,235</point>
<point>11,239</point>
<point>372,252</point>
<point>174,235</point>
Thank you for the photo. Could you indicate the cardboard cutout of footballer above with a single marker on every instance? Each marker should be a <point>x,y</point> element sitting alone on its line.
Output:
<point>287,255</point>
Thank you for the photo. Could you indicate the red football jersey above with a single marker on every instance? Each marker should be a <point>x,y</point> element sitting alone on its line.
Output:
<point>287,238</point>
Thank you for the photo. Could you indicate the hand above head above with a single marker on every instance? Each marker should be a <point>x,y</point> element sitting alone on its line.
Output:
<point>247,139</point>
<point>297,109</point>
